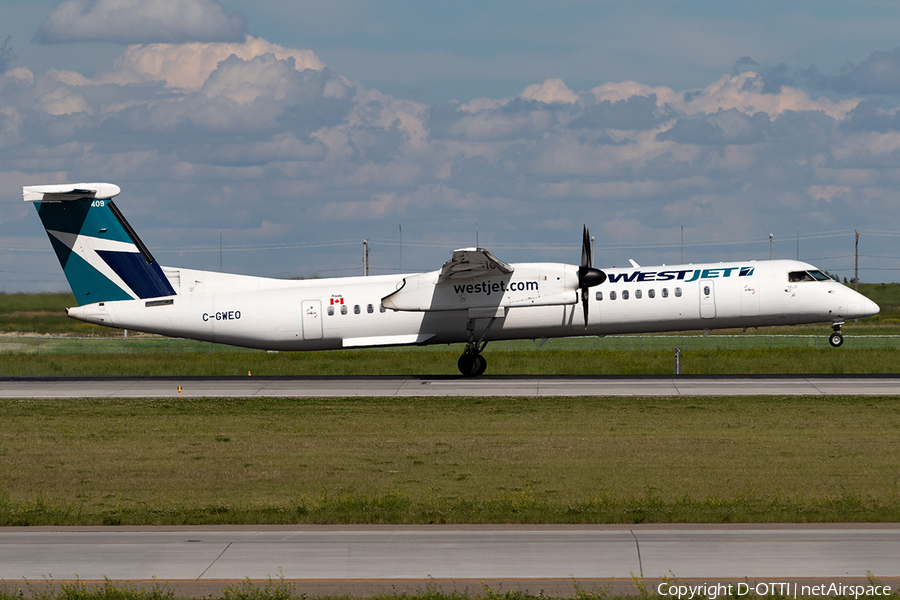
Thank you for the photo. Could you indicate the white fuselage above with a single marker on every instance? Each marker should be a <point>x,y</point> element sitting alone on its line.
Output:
<point>538,300</point>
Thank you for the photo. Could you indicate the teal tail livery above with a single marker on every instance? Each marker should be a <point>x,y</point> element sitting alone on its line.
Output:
<point>101,256</point>
<point>473,298</point>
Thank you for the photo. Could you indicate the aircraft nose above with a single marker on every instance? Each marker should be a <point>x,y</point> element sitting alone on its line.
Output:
<point>870,308</point>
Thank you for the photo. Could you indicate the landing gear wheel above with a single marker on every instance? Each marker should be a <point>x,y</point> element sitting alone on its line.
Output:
<point>471,365</point>
<point>480,365</point>
<point>836,339</point>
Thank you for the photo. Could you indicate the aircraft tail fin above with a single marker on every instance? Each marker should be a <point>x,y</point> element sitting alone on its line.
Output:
<point>102,257</point>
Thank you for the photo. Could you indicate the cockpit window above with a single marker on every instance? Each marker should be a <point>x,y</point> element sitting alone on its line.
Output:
<point>795,276</point>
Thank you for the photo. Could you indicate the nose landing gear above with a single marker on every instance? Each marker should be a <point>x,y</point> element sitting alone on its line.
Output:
<point>836,339</point>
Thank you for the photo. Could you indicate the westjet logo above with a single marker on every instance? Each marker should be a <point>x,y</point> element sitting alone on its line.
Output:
<point>489,288</point>
<point>681,275</point>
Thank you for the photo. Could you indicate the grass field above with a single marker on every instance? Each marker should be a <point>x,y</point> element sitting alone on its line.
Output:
<point>440,460</point>
<point>442,361</point>
<point>285,590</point>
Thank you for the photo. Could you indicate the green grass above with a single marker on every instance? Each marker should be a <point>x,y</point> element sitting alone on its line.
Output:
<point>286,590</point>
<point>442,361</point>
<point>886,296</point>
<point>450,460</point>
<point>43,313</point>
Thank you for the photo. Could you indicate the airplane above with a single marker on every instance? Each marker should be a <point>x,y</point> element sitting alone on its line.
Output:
<point>474,298</point>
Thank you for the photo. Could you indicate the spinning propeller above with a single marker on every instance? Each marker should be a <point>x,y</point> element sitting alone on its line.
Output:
<point>588,276</point>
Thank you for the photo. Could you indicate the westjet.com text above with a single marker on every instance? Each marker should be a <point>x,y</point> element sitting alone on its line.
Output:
<point>489,288</point>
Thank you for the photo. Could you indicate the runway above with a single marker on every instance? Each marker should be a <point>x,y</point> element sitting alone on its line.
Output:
<point>367,559</point>
<point>497,385</point>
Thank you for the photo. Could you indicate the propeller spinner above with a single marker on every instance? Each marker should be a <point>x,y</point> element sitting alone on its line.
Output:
<point>588,276</point>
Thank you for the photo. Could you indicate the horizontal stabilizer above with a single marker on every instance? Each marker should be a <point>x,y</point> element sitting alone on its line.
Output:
<point>69,191</point>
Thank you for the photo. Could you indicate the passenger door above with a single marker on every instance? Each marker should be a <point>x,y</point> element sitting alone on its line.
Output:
<point>707,299</point>
<point>312,319</point>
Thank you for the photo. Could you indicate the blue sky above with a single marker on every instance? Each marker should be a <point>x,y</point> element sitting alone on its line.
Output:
<point>293,130</point>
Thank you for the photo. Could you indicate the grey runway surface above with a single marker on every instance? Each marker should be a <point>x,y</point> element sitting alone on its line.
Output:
<point>194,387</point>
<point>365,559</point>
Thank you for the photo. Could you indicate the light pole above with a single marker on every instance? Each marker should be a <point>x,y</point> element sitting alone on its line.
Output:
<point>770,245</point>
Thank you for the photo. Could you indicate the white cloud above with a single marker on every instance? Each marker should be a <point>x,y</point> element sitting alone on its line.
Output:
<point>552,90</point>
<point>622,90</point>
<point>188,66</point>
<point>62,101</point>
<point>744,92</point>
<point>141,21</point>
<point>827,192</point>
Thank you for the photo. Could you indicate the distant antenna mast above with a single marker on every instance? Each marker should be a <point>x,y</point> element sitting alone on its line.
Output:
<point>798,240</point>
<point>682,243</point>
<point>476,235</point>
<point>856,267</point>
<point>401,247</point>
<point>366,257</point>
<point>220,246</point>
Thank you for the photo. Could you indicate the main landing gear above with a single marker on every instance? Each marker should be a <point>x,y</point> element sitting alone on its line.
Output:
<point>836,339</point>
<point>472,363</point>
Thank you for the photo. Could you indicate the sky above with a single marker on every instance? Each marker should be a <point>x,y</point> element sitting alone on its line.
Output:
<point>272,137</point>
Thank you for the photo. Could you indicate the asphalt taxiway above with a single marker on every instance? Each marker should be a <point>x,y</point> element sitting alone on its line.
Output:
<point>360,559</point>
<point>498,385</point>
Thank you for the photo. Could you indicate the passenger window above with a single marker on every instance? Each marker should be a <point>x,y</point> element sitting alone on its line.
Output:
<point>706,290</point>
<point>678,292</point>
<point>330,311</point>
<point>624,294</point>
<point>356,309</point>
<point>381,308</point>
<point>651,293</point>
<point>343,309</point>
<point>637,293</point>
<point>370,309</point>
<point>665,292</point>
<point>612,295</point>
<point>599,295</point>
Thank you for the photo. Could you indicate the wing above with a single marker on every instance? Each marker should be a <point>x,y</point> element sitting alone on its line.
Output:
<point>469,263</point>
